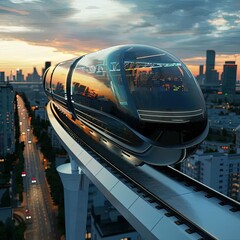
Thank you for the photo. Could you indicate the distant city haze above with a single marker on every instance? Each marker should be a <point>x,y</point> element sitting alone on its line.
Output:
<point>32,32</point>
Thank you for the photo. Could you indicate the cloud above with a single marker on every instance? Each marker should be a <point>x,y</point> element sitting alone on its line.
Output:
<point>24,1</point>
<point>190,26</point>
<point>63,21</point>
<point>5,10</point>
<point>184,27</point>
<point>14,29</point>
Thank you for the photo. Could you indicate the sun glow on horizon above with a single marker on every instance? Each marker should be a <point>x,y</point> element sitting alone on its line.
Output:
<point>194,63</point>
<point>24,56</point>
<point>21,55</point>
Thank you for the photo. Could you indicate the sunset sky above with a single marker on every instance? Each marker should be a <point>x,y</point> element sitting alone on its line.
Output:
<point>35,31</point>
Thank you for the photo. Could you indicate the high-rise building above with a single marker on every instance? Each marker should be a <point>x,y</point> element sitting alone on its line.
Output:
<point>237,131</point>
<point>220,171</point>
<point>200,76</point>
<point>34,77</point>
<point>229,77</point>
<point>20,76</point>
<point>47,65</point>
<point>210,65</point>
<point>200,70</point>
<point>2,77</point>
<point>215,77</point>
<point>7,144</point>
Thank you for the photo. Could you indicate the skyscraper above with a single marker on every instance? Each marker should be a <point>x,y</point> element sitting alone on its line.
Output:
<point>47,65</point>
<point>200,77</point>
<point>200,70</point>
<point>20,76</point>
<point>7,144</point>
<point>2,77</point>
<point>210,64</point>
<point>229,77</point>
<point>34,77</point>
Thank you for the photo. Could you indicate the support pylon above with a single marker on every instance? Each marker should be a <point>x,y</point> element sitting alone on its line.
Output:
<point>76,186</point>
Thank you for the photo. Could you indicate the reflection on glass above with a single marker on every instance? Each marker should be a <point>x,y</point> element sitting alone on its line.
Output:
<point>96,85</point>
<point>154,77</point>
<point>47,78</point>
<point>60,77</point>
<point>90,83</point>
<point>166,77</point>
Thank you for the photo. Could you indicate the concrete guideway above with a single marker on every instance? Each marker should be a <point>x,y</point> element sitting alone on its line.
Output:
<point>149,220</point>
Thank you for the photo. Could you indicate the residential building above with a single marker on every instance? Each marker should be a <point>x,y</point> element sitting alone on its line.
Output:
<point>210,65</point>
<point>220,171</point>
<point>2,77</point>
<point>229,77</point>
<point>7,142</point>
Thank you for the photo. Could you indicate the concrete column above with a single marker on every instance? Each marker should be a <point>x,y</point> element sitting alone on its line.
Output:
<point>74,165</point>
<point>75,185</point>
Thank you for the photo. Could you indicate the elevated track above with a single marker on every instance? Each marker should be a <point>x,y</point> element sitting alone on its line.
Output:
<point>159,202</point>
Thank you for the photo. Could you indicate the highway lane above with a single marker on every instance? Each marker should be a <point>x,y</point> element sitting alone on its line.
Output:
<point>39,204</point>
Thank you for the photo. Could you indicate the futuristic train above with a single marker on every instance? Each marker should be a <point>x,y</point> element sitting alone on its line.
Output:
<point>141,100</point>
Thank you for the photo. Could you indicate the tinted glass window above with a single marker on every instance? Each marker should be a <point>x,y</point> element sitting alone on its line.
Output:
<point>90,83</point>
<point>159,81</point>
<point>59,78</point>
<point>47,79</point>
<point>119,86</point>
<point>115,75</point>
<point>97,83</point>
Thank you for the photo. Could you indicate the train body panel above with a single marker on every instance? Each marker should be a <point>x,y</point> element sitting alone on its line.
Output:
<point>141,98</point>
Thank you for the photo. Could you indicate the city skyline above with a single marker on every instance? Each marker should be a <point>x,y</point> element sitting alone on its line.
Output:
<point>35,31</point>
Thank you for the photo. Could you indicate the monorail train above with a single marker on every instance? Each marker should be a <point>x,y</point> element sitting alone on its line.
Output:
<point>141,99</point>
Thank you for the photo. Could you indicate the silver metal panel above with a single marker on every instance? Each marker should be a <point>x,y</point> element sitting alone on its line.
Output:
<point>107,179</point>
<point>125,195</point>
<point>166,228</point>
<point>149,221</point>
<point>197,207</point>
<point>94,167</point>
<point>205,212</point>
<point>165,187</point>
<point>149,216</point>
<point>75,148</point>
<point>84,156</point>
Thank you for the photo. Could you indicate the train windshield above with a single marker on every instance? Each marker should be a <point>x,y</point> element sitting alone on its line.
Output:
<point>159,81</point>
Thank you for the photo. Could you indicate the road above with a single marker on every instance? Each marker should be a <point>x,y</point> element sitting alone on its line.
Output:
<point>39,208</point>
